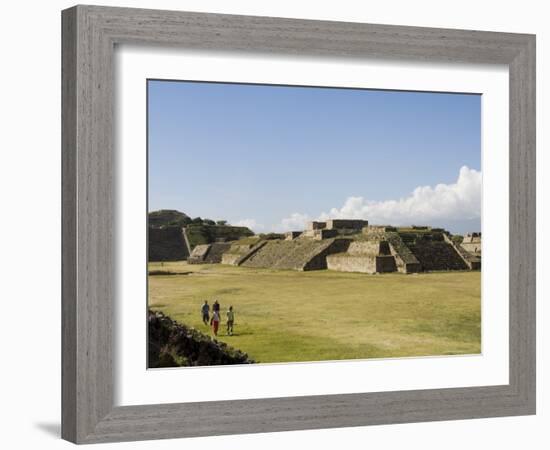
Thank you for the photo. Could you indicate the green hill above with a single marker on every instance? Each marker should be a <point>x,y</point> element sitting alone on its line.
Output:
<point>197,230</point>
<point>207,234</point>
<point>168,218</point>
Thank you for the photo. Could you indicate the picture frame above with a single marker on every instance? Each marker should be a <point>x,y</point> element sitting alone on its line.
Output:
<point>89,37</point>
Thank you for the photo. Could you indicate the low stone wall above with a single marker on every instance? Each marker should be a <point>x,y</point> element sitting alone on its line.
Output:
<point>344,262</point>
<point>172,344</point>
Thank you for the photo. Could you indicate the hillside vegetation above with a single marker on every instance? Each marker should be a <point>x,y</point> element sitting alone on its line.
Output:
<point>168,217</point>
<point>206,234</point>
<point>199,230</point>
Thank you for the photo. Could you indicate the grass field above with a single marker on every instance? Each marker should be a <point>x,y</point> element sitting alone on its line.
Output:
<point>283,316</point>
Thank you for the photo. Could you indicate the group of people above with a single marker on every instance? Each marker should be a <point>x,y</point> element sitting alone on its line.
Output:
<point>214,321</point>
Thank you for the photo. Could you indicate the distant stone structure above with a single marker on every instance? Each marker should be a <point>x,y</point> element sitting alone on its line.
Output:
<point>316,225</point>
<point>320,233</point>
<point>300,254</point>
<point>338,224</point>
<point>208,253</point>
<point>346,245</point>
<point>366,257</point>
<point>346,224</point>
<point>172,235</point>
<point>291,235</point>
<point>355,246</point>
<point>472,243</point>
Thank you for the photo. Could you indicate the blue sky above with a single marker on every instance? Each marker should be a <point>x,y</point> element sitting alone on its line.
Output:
<point>273,157</point>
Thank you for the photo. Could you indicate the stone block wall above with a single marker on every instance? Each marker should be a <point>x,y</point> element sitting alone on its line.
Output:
<point>316,225</point>
<point>372,256</point>
<point>291,235</point>
<point>385,263</point>
<point>343,262</point>
<point>472,243</point>
<point>167,244</point>
<point>350,224</point>
<point>319,234</point>
<point>375,247</point>
<point>199,253</point>
<point>362,263</point>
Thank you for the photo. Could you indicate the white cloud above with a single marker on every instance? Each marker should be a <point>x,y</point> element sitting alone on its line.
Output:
<point>294,222</point>
<point>460,200</point>
<point>424,205</point>
<point>250,223</point>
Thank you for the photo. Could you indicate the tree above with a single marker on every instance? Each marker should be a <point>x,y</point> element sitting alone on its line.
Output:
<point>221,222</point>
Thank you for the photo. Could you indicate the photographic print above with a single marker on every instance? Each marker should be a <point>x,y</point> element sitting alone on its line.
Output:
<point>299,224</point>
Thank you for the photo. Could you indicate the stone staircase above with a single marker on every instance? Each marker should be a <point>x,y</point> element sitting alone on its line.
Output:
<point>208,253</point>
<point>436,255</point>
<point>299,254</point>
<point>216,252</point>
<point>472,260</point>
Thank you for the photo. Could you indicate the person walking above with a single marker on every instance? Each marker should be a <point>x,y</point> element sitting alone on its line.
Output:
<point>205,310</point>
<point>216,306</point>
<point>230,320</point>
<point>215,322</point>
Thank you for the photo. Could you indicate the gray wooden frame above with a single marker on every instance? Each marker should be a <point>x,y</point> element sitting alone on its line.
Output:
<point>89,36</point>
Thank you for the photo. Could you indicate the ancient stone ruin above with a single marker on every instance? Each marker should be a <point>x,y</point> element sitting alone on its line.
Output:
<point>168,244</point>
<point>208,253</point>
<point>472,243</point>
<point>350,246</point>
<point>173,235</point>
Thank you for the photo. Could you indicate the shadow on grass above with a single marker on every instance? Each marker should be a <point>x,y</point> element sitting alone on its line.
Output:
<point>166,272</point>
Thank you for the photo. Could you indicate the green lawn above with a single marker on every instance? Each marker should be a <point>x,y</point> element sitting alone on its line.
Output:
<point>283,316</point>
